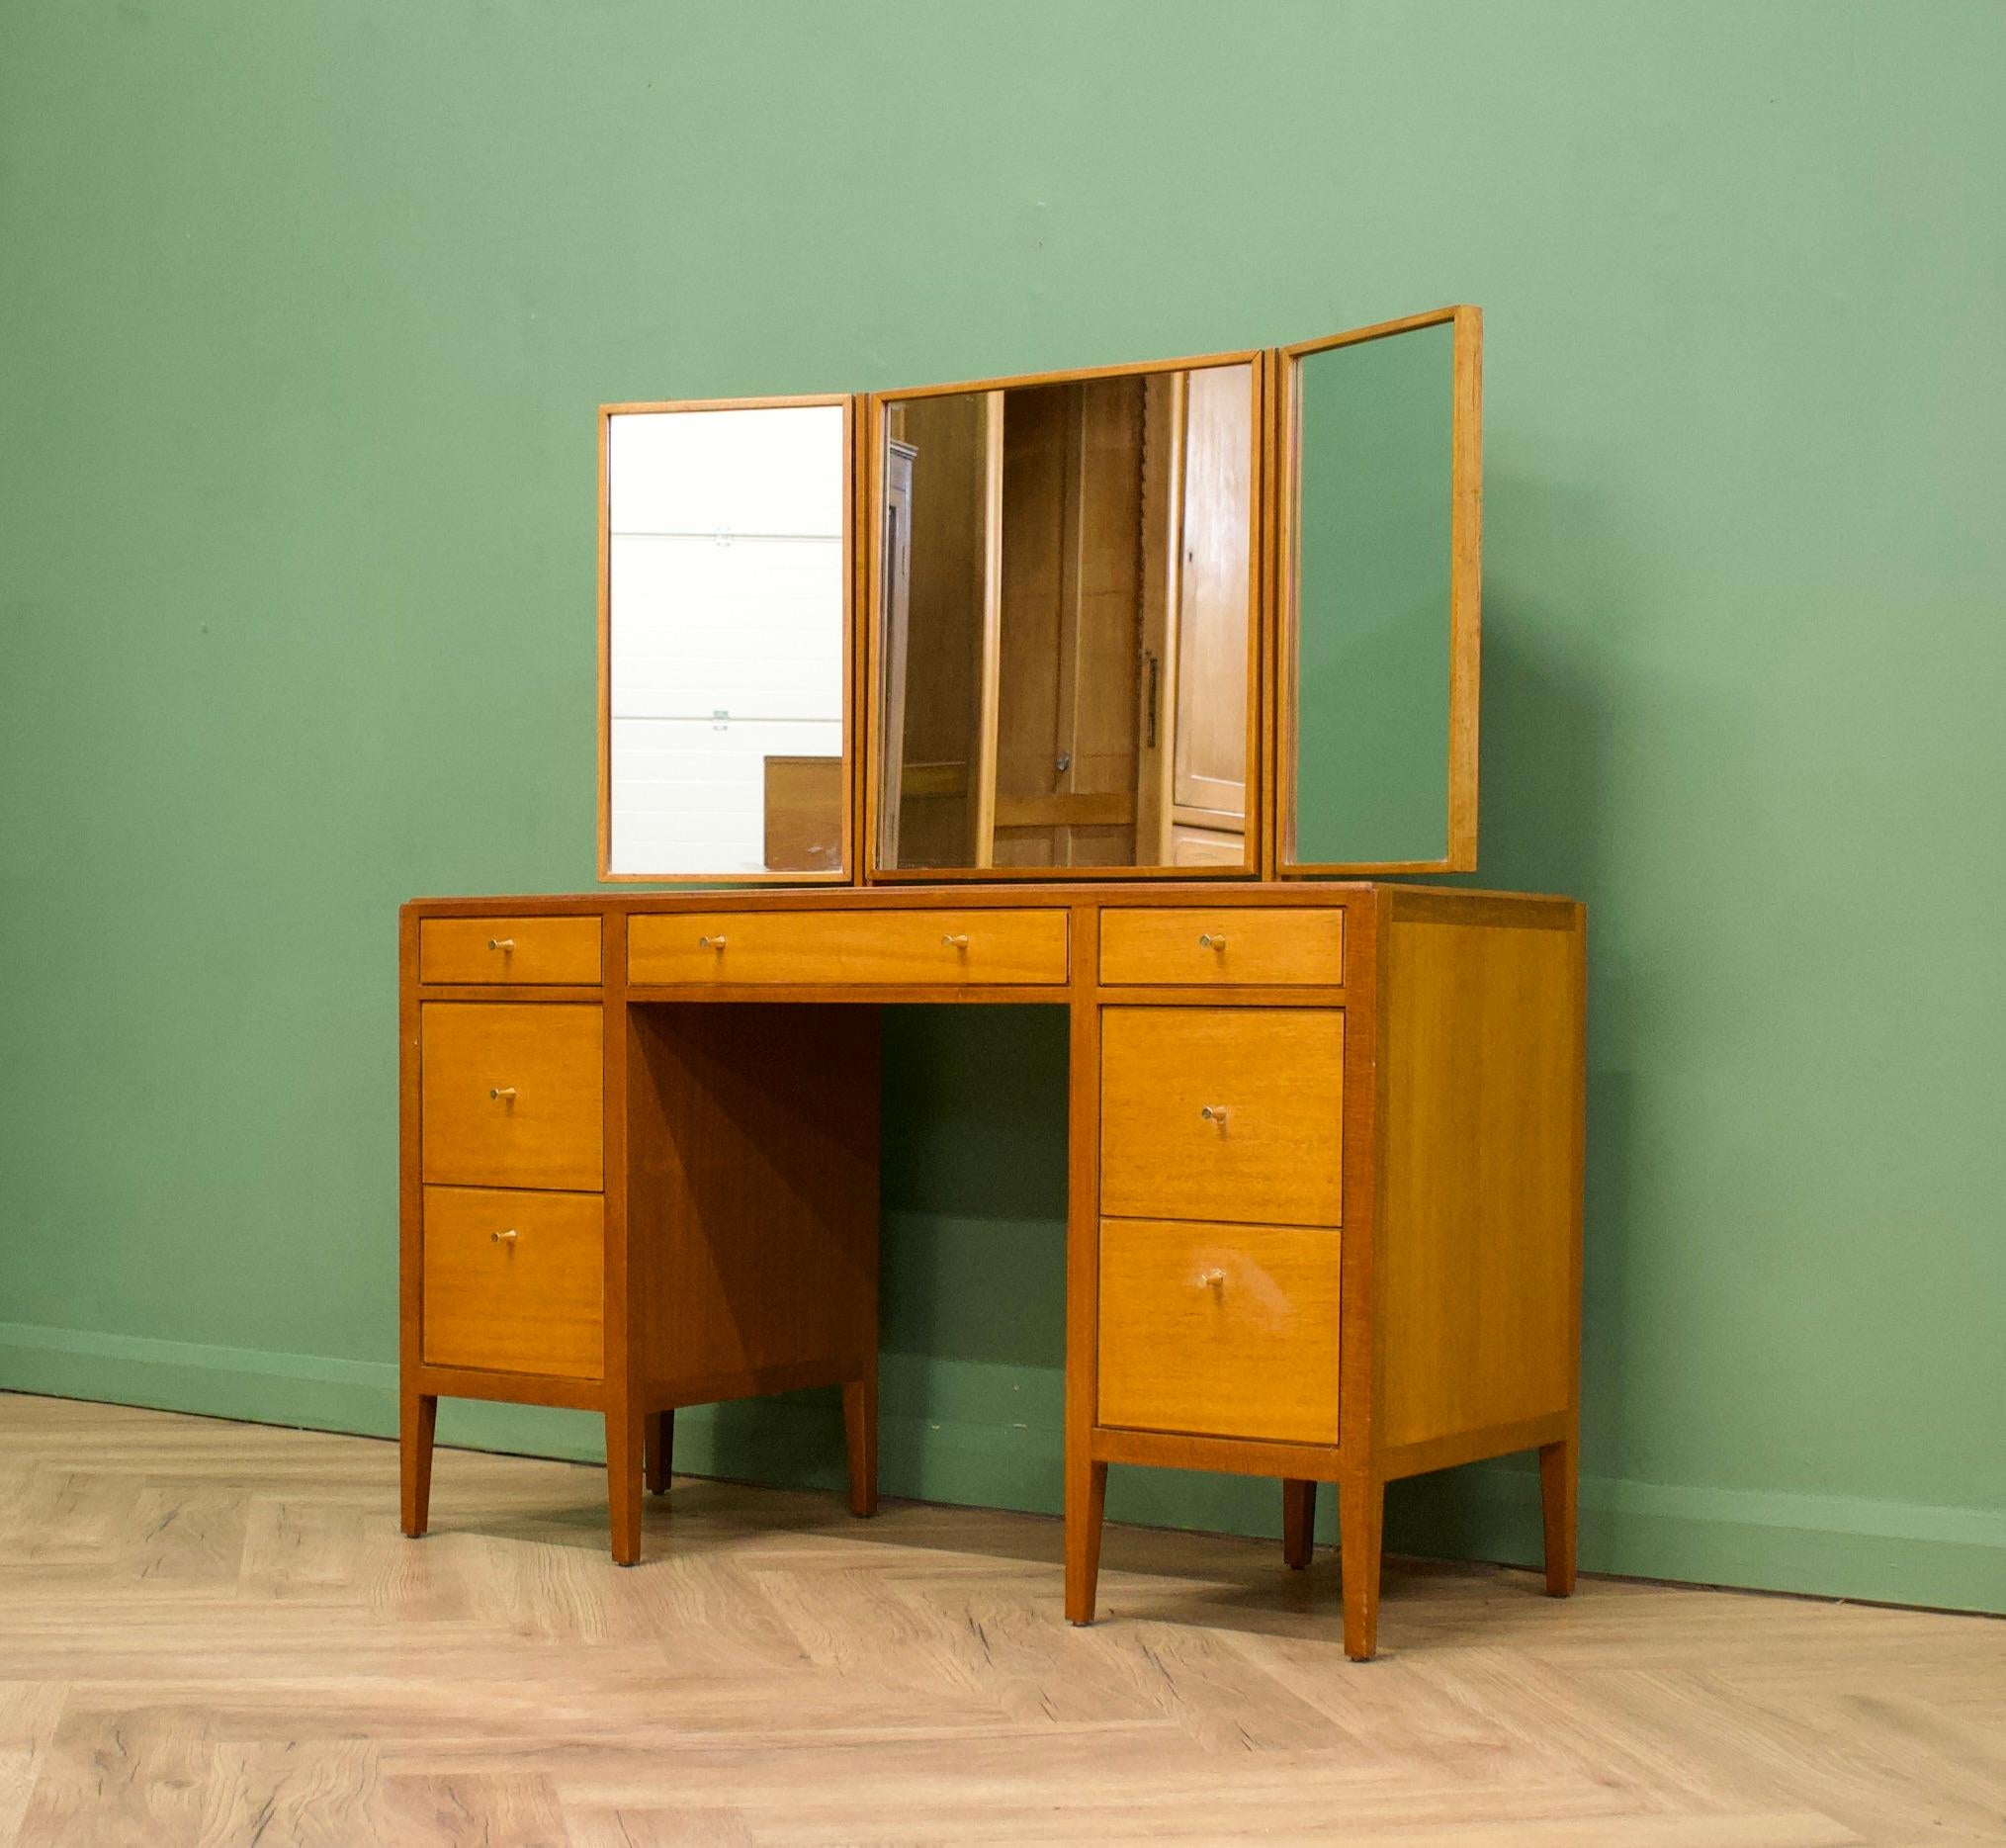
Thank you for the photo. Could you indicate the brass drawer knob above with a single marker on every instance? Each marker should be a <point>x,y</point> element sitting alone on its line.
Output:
<point>503,1238</point>
<point>709,942</point>
<point>955,941</point>
<point>1212,940</point>
<point>503,943</point>
<point>1214,1114</point>
<point>1214,1280</point>
<point>502,1094</point>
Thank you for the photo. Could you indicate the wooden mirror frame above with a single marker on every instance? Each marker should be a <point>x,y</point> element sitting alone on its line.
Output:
<point>1465,595</point>
<point>846,873</point>
<point>871,589</point>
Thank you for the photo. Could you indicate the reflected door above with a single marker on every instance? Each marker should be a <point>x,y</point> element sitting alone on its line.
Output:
<point>1066,634</point>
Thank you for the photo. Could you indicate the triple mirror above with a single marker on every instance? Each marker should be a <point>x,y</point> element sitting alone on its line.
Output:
<point>1211,617</point>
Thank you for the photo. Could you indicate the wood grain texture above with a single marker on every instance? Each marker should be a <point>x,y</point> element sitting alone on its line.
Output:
<point>511,1094</point>
<point>213,1638</point>
<point>1086,1485</point>
<point>754,1174</point>
<point>1162,944</point>
<point>803,802</point>
<point>1482,1181</point>
<point>1224,1331</point>
<point>924,948</point>
<point>529,950</point>
<point>515,1282</point>
<point>1277,1076</point>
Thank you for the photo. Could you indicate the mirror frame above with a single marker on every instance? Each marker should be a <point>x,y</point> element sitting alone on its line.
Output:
<point>1465,595</point>
<point>846,873</point>
<point>871,475</point>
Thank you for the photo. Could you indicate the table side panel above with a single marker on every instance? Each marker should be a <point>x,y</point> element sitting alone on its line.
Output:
<point>1478,1254</point>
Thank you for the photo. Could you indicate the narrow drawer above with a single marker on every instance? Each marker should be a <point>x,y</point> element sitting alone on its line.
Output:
<point>1284,946</point>
<point>1222,1113</point>
<point>508,949</point>
<point>515,1283</point>
<point>1224,1331</point>
<point>901,948</point>
<point>511,1093</point>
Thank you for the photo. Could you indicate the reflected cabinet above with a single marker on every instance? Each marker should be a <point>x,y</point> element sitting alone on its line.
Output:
<point>1202,618</point>
<point>1114,691</point>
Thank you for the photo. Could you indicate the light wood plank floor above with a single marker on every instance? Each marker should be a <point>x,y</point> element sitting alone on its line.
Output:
<point>214,1633</point>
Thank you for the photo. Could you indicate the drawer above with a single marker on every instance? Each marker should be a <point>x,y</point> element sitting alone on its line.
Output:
<point>515,1283</point>
<point>1223,1331</point>
<point>511,1093</point>
<point>1222,1113</point>
<point>887,948</point>
<point>1284,945</point>
<point>508,949</point>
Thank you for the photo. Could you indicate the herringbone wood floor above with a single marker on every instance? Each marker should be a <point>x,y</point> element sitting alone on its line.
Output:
<point>214,1633</point>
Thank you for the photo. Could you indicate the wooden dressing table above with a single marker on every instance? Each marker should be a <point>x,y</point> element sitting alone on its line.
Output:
<point>1325,1137</point>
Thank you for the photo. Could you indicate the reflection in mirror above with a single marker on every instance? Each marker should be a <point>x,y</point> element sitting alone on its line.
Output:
<point>1065,623</point>
<point>1373,522</point>
<point>725,640</point>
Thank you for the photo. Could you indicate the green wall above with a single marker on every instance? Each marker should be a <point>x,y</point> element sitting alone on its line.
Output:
<point>303,311</point>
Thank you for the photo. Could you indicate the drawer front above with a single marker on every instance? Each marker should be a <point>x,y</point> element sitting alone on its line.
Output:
<point>508,949</point>
<point>1224,947</point>
<point>1222,1113</point>
<point>903,948</point>
<point>511,1093</point>
<point>1223,1331</point>
<point>515,1283</point>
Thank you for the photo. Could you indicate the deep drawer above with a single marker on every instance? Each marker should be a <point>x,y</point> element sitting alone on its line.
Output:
<point>1226,1331</point>
<point>515,1283</point>
<point>511,1093</point>
<point>1226,1113</point>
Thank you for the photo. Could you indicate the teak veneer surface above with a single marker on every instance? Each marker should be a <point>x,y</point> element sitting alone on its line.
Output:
<point>1274,1156</point>
<point>1221,1331</point>
<point>941,947</point>
<point>1407,1062</point>
<point>530,950</point>
<point>514,1282</point>
<point>512,1094</point>
<point>1477,1298</point>
<point>1218,947</point>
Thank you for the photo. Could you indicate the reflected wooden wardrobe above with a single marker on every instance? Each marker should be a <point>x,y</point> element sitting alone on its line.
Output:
<point>1067,614</point>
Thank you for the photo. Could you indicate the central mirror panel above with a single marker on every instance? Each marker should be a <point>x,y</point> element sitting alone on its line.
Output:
<point>1066,581</point>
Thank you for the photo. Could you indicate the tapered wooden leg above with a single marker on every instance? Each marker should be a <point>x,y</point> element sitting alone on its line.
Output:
<point>1361,1515</point>
<point>623,1481</point>
<point>1298,1522</point>
<point>860,1430</point>
<point>1559,1491</point>
<point>1086,1504</point>
<point>417,1419</point>
<point>657,1450</point>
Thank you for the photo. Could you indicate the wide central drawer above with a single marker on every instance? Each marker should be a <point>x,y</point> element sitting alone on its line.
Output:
<point>1224,1113</point>
<point>857,948</point>
<point>1219,1330</point>
<point>515,1283</point>
<point>511,1093</point>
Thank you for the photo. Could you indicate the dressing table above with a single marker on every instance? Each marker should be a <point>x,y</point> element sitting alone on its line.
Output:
<point>1126,691</point>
